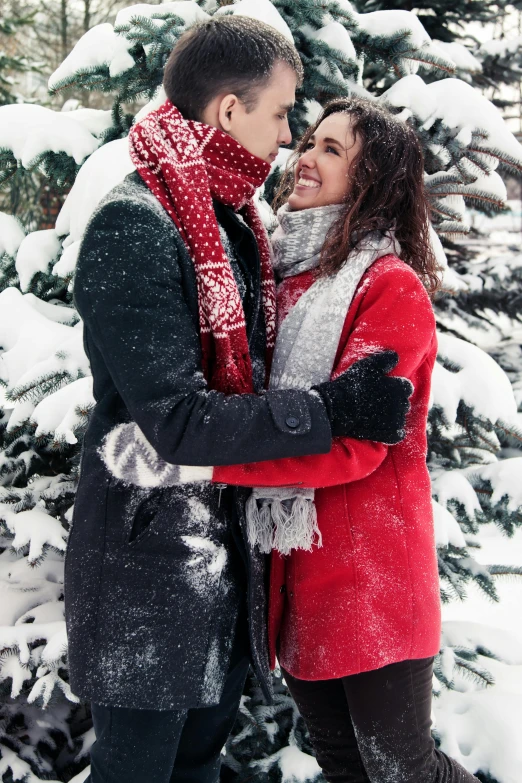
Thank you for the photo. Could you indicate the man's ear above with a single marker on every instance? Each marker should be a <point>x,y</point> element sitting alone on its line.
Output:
<point>227,106</point>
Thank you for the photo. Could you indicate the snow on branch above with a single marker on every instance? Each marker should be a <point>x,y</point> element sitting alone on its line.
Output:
<point>263,10</point>
<point>466,116</point>
<point>475,379</point>
<point>32,136</point>
<point>18,769</point>
<point>398,37</point>
<point>504,478</point>
<point>99,47</point>
<point>34,529</point>
<point>447,529</point>
<point>189,12</point>
<point>11,235</point>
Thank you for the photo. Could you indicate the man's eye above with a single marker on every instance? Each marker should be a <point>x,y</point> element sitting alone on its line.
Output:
<point>282,116</point>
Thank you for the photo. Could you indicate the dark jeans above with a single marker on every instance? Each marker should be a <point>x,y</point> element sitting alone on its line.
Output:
<point>170,746</point>
<point>375,727</point>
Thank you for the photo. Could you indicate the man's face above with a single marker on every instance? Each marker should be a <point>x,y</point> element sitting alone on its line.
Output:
<point>262,130</point>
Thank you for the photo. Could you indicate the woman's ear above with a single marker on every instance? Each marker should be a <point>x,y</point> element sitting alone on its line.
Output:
<point>227,107</point>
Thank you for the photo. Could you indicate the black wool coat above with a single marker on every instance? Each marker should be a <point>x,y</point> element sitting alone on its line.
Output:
<point>154,578</point>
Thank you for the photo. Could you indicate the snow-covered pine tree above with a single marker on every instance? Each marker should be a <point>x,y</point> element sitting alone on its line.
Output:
<point>46,389</point>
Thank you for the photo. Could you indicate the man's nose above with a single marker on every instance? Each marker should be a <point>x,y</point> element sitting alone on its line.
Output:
<point>285,134</point>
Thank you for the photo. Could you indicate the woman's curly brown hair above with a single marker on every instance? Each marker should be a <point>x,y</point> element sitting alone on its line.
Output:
<point>387,190</point>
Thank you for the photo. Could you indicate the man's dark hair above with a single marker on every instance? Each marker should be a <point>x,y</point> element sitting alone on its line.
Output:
<point>226,54</point>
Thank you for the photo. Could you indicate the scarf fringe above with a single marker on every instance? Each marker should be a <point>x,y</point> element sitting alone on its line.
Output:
<point>283,525</point>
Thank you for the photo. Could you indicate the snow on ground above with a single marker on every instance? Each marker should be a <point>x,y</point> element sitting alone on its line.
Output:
<point>480,727</point>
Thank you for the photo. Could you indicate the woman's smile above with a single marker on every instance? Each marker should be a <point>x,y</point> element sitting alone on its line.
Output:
<point>305,181</point>
<point>322,174</point>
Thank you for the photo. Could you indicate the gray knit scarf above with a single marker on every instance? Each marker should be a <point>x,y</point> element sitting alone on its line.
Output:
<point>306,346</point>
<point>282,518</point>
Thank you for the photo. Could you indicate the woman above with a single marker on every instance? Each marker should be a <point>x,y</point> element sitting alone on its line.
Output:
<point>354,612</point>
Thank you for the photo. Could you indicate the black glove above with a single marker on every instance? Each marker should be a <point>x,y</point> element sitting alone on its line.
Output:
<point>366,403</point>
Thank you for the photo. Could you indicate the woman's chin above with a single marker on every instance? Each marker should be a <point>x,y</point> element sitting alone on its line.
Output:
<point>300,201</point>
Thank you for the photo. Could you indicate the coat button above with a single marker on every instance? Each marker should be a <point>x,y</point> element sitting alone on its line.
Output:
<point>292,422</point>
<point>282,589</point>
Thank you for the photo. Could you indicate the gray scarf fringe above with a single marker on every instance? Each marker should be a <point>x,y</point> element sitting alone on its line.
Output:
<point>285,518</point>
<point>282,518</point>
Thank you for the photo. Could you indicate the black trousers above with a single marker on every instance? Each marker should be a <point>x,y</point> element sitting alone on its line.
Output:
<point>375,727</point>
<point>167,746</point>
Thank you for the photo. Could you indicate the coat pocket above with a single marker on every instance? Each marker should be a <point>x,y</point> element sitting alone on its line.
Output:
<point>143,522</point>
<point>131,513</point>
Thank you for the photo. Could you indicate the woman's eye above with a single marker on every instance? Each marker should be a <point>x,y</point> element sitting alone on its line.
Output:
<point>332,149</point>
<point>308,146</point>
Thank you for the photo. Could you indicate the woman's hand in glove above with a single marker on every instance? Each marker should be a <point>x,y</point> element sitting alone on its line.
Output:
<point>366,403</point>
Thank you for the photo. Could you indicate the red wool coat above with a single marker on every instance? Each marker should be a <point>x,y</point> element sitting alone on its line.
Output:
<point>370,596</point>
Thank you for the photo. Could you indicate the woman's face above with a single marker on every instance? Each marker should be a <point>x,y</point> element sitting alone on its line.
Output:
<point>322,173</point>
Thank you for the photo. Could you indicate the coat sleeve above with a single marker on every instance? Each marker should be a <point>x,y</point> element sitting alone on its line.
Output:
<point>129,291</point>
<point>395,313</point>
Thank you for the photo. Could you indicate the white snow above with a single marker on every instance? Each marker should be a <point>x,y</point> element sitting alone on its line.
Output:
<point>189,11</point>
<point>447,529</point>
<point>37,251</point>
<point>394,23</point>
<point>208,555</point>
<point>458,105</point>
<point>11,235</point>
<point>18,602</point>
<point>460,55</point>
<point>481,383</point>
<point>58,413</point>
<point>105,169</point>
<point>37,529</point>
<point>388,23</point>
<point>28,336</point>
<point>19,770</point>
<point>262,10</point>
<point>450,485</point>
<point>21,636</point>
<point>30,131</point>
<point>491,184</point>
<point>480,726</point>
<point>502,46</point>
<point>99,46</point>
<point>481,729</point>
<point>96,121</point>
<point>506,645</point>
<point>336,37</point>
<point>505,478</point>
<point>160,96</point>
<point>295,765</point>
<point>67,264</point>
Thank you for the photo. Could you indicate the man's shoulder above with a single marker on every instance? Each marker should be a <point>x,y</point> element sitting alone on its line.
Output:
<point>131,198</point>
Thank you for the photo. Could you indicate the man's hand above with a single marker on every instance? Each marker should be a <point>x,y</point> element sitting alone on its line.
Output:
<point>366,403</point>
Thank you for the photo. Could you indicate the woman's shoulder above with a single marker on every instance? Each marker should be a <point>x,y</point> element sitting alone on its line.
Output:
<point>392,274</point>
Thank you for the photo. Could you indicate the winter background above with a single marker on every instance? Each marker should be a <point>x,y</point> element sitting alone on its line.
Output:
<point>452,70</point>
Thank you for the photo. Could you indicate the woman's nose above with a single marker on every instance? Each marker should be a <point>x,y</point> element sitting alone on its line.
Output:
<point>307,159</point>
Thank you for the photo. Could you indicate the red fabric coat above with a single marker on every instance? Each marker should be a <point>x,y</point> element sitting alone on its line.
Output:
<point>370,596</point>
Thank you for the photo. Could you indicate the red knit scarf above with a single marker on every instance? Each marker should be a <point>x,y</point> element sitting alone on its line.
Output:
<point>186,164</point>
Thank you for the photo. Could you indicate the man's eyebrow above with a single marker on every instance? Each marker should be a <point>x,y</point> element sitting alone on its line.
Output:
<point>286,106</point>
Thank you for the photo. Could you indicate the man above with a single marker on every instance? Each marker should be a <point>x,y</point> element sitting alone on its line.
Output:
<point>164,598</point>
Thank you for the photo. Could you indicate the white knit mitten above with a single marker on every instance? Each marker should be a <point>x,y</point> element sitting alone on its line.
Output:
<point>129,456</point>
